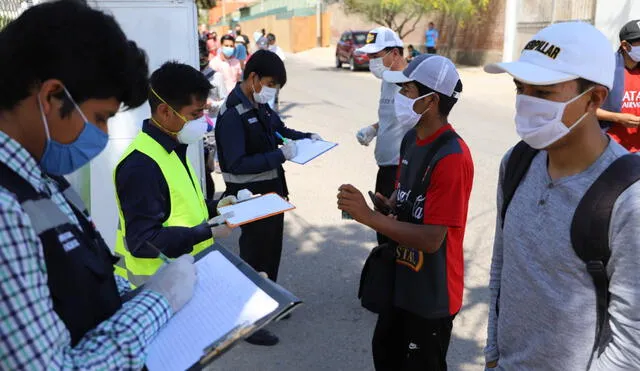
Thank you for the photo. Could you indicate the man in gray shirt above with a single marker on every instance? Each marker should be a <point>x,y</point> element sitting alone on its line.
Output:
<point>543,305</point>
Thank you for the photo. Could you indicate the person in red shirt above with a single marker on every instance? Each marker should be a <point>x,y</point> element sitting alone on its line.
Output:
<point>430,205</point>
<point>621,111</point>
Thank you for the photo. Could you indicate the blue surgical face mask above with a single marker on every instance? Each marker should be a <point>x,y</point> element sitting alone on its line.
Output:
<point>228,51</point>
<point>63,159</point>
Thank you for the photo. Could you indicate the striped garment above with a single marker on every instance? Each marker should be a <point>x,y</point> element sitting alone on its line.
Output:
<point>32,336</point>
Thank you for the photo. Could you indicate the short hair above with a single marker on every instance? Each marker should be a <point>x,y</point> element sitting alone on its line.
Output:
<point>271,37</point>
<point>584,84</point>
<point>177,84</point>
<point>227,37</point>
<point>266,64</point>
<point>445,104</point>
<point>400,49</point>
<point>84,48</point>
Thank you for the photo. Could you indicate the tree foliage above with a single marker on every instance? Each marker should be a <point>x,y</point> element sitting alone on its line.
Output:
<point>403,16</point>
<point>206,4</point>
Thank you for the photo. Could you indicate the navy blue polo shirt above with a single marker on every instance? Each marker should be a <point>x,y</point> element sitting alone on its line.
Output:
<point>144,198</point>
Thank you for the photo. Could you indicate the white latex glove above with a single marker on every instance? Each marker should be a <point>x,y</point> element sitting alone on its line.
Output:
<point>221,231</point>
<point>289,150</point>
<point>366,135</point>
<point>244,194</point>
<point>315,137</point>
<point>226,201</point>
<point>175,281</point>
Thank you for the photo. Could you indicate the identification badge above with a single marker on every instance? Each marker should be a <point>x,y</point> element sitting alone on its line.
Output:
<point>253,120</point>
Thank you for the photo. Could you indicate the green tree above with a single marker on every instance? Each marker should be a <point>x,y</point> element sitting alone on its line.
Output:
<point>206,4</point>
<point>403,16</point>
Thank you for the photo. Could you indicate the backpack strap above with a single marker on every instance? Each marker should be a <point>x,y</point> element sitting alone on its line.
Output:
<point>432,157</point>
<point>517,166</point>
<point>590,229</point>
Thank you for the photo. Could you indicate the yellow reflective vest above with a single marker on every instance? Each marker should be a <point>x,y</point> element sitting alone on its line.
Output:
<point>188,208</point>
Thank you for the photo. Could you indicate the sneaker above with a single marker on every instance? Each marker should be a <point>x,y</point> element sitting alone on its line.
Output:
<point>263,337</point>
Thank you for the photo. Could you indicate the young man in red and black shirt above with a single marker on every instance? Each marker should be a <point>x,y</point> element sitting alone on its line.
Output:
<point>430,206</point>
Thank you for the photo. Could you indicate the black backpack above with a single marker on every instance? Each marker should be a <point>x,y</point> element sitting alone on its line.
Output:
<point>591,220</point>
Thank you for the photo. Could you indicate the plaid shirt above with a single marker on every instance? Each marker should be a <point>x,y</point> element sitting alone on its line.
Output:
<point>32,336</point>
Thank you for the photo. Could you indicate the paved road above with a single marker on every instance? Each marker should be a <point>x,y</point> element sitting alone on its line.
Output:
<point>323,254</point>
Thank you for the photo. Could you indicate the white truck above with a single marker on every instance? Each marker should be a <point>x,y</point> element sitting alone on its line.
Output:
<point>166,30</point>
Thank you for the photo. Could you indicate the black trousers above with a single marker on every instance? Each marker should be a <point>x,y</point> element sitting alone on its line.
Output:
<point>431,50</point>
<point>261,244</point>
<point>385,185</point>
<point>403,341</point>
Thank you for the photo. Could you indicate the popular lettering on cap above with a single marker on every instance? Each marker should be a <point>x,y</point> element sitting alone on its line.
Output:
<point>563,52</point>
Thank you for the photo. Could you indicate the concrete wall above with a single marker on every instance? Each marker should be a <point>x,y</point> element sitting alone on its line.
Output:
<point>611,15</point>
<point>293,34</point>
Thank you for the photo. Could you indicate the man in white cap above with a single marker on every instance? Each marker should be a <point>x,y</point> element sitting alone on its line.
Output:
<point>430,207</point>
<point>549,304</point>
<point>385,52</point>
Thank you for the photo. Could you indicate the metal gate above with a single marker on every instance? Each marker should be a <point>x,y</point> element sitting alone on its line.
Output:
<point>534,15</point>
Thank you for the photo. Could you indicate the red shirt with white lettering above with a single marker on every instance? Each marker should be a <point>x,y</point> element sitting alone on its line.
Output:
<point>629,138</point>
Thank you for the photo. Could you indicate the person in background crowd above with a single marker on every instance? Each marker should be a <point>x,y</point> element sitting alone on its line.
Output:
<point>238,33</point>
<point>431,39</point>
<point>216,97</point>
<point>412,53</point>
<point>241,53</point>
<point>226,64</point>
<point>212,44</point>
<point>62,308</point>
<point>621,111</point>
<point>275,48</point>
<point>430,208</point>
<point>250,158</point>
<point>384,49</point>
<point>543,304</point>
<point>202,32</point>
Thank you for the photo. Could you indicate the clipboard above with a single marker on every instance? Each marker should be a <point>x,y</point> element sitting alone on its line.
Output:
<point>286,302</point>
<point>309,150</point>
<point>253,209</point>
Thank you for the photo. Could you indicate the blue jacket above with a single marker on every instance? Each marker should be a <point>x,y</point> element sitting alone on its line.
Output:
<point>248,147</point>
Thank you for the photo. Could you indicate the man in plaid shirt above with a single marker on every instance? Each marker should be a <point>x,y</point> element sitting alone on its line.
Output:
<point>60,305</point>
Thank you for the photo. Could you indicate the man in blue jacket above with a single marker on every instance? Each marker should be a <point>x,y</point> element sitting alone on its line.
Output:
<point>248,133</point>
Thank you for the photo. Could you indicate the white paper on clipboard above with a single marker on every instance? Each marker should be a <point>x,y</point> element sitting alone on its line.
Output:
<point>309,149</point>
<point>255,209</point>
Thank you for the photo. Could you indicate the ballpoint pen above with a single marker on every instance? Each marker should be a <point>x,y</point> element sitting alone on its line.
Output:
<point>284,140</point>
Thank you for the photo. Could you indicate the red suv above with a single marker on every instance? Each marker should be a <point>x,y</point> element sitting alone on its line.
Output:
<point>346,50</point>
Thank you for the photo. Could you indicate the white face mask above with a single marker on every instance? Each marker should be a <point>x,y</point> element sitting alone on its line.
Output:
<point>634,54</point>
<point>193,131</point>
<point>539,121</point>
<point>265,95</point>
<point>404,110</point>
<point>377,67</point>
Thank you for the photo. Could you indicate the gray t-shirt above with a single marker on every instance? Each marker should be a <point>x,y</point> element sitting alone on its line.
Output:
<point>390,132</point>
<point>547,302</point>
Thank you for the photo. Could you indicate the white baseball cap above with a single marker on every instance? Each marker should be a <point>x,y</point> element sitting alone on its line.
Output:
<point>380,38</point>
<point>433,71</point>
<point>563,52</point>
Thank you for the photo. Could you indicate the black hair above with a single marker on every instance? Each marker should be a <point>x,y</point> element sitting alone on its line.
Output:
<point>202,48</point>
<point>84,48</point>
<point>584,84</point>
<point>445,103</point>
<point>178,84</point>
<point>263,31</point>
<point>271,37</point>
<point>266,64</point>
<point>400,49</point>
<point>227,37</point>
<point>410,46</point>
